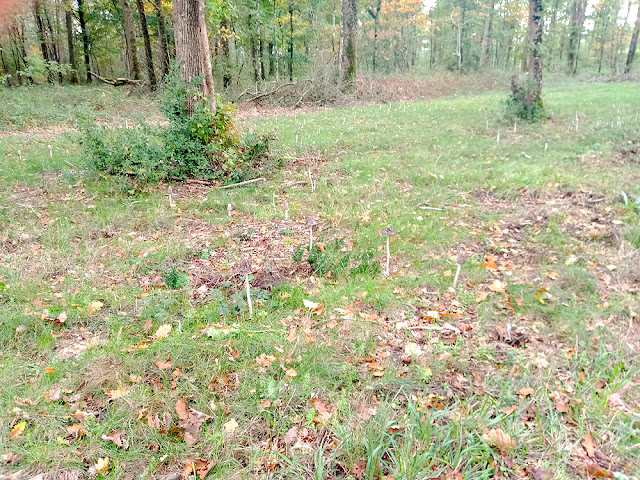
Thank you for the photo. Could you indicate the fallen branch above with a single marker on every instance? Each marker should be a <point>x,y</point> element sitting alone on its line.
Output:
<point>266,94</point>
<point>261,179</point>
<point>117,82</point>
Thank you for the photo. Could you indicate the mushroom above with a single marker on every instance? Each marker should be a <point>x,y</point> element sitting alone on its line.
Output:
<point>170,193</point>
<point>285,205</point>
<point>460,260</point>
<point>244,268</point>
<point>50,151</point>
<point>229,209</point>
<point>20,155</point>
<point>388,231</point>
<point>311,222</point>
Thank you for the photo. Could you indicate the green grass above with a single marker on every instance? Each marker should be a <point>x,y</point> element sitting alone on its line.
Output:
<point>408,393</point>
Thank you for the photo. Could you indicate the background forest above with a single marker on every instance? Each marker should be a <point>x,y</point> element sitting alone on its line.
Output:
<point>253,42</point>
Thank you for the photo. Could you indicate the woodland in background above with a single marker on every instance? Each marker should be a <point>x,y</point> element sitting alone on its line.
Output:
<point>254,42</point>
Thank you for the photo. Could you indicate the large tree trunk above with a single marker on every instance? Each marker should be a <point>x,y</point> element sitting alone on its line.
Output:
<point>192,48</point>
<point>68,18</point>
<point>348,40</point>
<point>164,43</point>
<point>486,37</point>
<point>147,45</point>
<point>130,41</point>
<point>535,49</point>
<point>633,45</point>
<point>85,39</point>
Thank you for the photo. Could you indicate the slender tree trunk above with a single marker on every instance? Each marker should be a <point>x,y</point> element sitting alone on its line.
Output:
<point>461,33</point>
<point>130,41</point>
<point>535,49</point>
<point>578,11</point>
<point>42,35</point>
<point>486,37</point>
<point>348,41</point>
<point>85,39</point>
<point>376,22</point>
<point>291,40</point>
<point>552,26</point>
<point>225,35</point>
<point>633,45</point>
<point>165,61</point>
<point>254,51</point>
<point>258,58</point>
<point>147,45</point>
<point>192,48</point>
<point>68,18</point>
<point>275,42</point>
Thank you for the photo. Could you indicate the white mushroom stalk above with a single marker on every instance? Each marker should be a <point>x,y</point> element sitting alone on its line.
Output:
<point>229,209</point>
<point>285,205</point>
<point>50,151</point>
<point>311,222</point>
<point>170,193</point>
<point>388,231</point>
<point>460,260</point>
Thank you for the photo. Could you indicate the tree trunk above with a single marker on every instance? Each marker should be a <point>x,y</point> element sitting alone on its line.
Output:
<point>348,39</point>
<point>258,58</point>
<point>165,61</point>
<point>225,34</point>
<point>147,45</point>
<point>376,22</point>
<point>85,39</point>
<point>291,40</point>
<point>577,24</point>
<point>633,45</point>
<point>130,41</point>
<point>192,48</point>
<point>68,18</point>
<point>535,49</point>
<point>42,35</point>
<point>486,37</point>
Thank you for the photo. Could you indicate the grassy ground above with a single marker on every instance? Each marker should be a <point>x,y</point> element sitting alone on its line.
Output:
<point>126,336</point>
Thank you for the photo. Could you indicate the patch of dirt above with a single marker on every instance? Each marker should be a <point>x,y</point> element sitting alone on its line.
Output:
<point>71,344</point>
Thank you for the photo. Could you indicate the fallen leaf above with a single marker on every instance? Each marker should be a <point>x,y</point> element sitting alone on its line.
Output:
<point>509,410</point>
<point>10,458</point>
<point>316,308</point>
<point>102,465</point>
<point>94,307</point>
<point>181,410</point>
<point>162,332</point>
<point>291,435</point>
<point>496,437</point>
<point>539,474</point>
<point>49,370</point>
<point>291,373</point>
<point>482,296</point>
<point>117,393</point>
<point>77,430</point>
<point>525,391</point>
<point>18,429</point>
<point>164,365</point>
<point>118,438</point>
<point>489,262</point>
<point>498,286</point>
<point>596,471</point>
<point>265,360</point>
<point>198,466</point>
<point>231,426</point>
<point>589,444</point>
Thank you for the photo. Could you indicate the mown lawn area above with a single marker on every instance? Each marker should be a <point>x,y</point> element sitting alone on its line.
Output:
<point>128,350</point>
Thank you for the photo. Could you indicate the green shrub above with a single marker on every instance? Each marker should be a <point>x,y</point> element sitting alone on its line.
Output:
<point>524,102</point>
<point>203,144</point>
<point>176,279</point>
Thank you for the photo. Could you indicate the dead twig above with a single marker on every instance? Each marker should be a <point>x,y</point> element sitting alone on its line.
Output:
<point>246,182</point>
<point>117,82</point>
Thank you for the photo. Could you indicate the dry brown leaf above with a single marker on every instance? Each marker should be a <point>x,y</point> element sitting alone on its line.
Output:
<point>181,410</point>
<point>525,391</point>
<point>509,410</point>
<point>164,365</point>
<point>265,360</point>
<point>117,393</point>
<point>230,426</point>
<point>291,435</point>
<point>163,331</point>
<point>94,307</point>
<point>589,444</point>
<point>77,429</point>
<point>198,466</point>
<point>498,286</point>
<point>596,471</point>
<point>118,438</point>
<point>489,262</point>
<point>496,437</point>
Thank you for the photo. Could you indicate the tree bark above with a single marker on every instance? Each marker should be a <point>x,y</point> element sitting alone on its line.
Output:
<point>633,45</point>
<point>165,61</point>
<point>42,35</point>
<point>259,65</point>
<point>291,40</point>
<point>130,41</point>
<point>225,35</point>
<point>68,18</point>
<point>578,12</point>
<point>192,48</point>
<point>85,39</point>
<point>535,49</point>
<point>348,40</point>
<point>376,22</point>
<point>486,37</point>
<point>147,45</point>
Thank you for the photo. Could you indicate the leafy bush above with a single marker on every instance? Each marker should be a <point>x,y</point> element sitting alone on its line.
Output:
<point>176,279</point>
<point>524,102</point>
<point>203,144</point>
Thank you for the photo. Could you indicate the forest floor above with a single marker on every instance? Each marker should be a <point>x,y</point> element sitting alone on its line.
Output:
<point>526,369</point>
